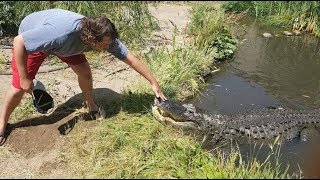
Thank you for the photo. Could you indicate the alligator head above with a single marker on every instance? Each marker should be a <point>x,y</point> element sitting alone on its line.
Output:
<point>185,116</point>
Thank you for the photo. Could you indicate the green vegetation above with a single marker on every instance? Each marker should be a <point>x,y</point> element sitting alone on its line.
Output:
<point>132,18</point>
<point>24,111</point>
<point>211,31</point>
<point>177,70</point>
<point>297,15</point>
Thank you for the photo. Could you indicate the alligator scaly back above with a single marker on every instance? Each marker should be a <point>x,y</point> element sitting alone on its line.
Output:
<point>262,124</point>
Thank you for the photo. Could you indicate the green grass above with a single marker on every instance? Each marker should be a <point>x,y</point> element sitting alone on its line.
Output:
<point>24,110</point>
<point>134,146</point>
<point>210,30</point>
<point>177,70</point>
<point>297,15</point>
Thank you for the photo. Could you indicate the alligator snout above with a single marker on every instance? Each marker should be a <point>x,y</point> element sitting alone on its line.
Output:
<point>172,112</point>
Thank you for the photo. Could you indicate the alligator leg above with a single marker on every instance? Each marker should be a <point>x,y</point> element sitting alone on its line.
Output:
<point>309,133</point>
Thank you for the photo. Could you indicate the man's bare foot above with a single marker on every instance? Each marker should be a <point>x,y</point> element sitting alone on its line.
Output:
<point>99,114</point>
<point>96,112</point>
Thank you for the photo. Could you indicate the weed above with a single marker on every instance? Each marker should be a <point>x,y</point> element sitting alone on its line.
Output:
<point>297,15</point>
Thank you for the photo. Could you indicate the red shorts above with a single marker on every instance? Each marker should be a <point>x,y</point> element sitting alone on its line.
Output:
<point>34,62</point>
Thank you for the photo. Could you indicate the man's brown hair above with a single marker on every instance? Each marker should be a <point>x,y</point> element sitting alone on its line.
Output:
<point>94,28</point>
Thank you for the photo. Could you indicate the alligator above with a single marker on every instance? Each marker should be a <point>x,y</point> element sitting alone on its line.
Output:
<point>263,124</point>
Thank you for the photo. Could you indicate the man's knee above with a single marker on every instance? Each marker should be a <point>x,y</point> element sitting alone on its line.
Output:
<point>16,92</point>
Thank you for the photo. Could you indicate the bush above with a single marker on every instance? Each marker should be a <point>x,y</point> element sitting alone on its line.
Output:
<point>211,31</point>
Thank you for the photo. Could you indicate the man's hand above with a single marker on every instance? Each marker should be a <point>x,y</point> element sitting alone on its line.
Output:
<point>26,84</point>
<point>157,91</point>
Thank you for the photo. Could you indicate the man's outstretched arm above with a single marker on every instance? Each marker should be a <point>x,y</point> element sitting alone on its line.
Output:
<point>141,68</point>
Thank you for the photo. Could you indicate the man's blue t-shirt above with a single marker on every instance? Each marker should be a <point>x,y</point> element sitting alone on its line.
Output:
<point>56,31</point>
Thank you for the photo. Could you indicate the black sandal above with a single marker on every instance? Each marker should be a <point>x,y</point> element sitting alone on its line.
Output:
<point>3,138</point>
<point>3,135</point>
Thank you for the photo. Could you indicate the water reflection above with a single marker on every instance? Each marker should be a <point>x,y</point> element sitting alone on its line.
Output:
<point>287,67</point>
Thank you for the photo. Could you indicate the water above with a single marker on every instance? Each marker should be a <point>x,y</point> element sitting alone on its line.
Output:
<point>270,72</point>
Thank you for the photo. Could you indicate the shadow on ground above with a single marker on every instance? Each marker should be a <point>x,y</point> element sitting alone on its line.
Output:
<point>111,101</point>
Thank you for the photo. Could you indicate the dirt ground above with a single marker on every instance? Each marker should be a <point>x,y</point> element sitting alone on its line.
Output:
<point>33,147</point>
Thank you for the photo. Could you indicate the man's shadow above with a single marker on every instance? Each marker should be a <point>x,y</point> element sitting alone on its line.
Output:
<point>111,101</point>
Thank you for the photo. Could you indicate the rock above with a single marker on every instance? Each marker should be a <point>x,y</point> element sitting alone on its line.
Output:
<point>287,33</point>
<point>268,35</point>
<point>296,32</point>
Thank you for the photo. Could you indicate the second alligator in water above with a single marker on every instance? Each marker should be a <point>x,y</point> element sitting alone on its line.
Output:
<point>264,125</point>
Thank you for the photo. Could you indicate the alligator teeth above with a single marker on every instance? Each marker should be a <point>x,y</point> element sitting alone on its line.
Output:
<point>255,136</point>
<point>247,131</point>
<point>232,131</point>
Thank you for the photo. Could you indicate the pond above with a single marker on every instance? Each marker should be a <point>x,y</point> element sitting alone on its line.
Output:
<point>282,71</point>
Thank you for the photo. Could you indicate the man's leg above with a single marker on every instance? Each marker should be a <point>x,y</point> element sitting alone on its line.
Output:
<point>85,82</point>
<point>15,93</point>
<point>11,101</point>
<point>81,67</point>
